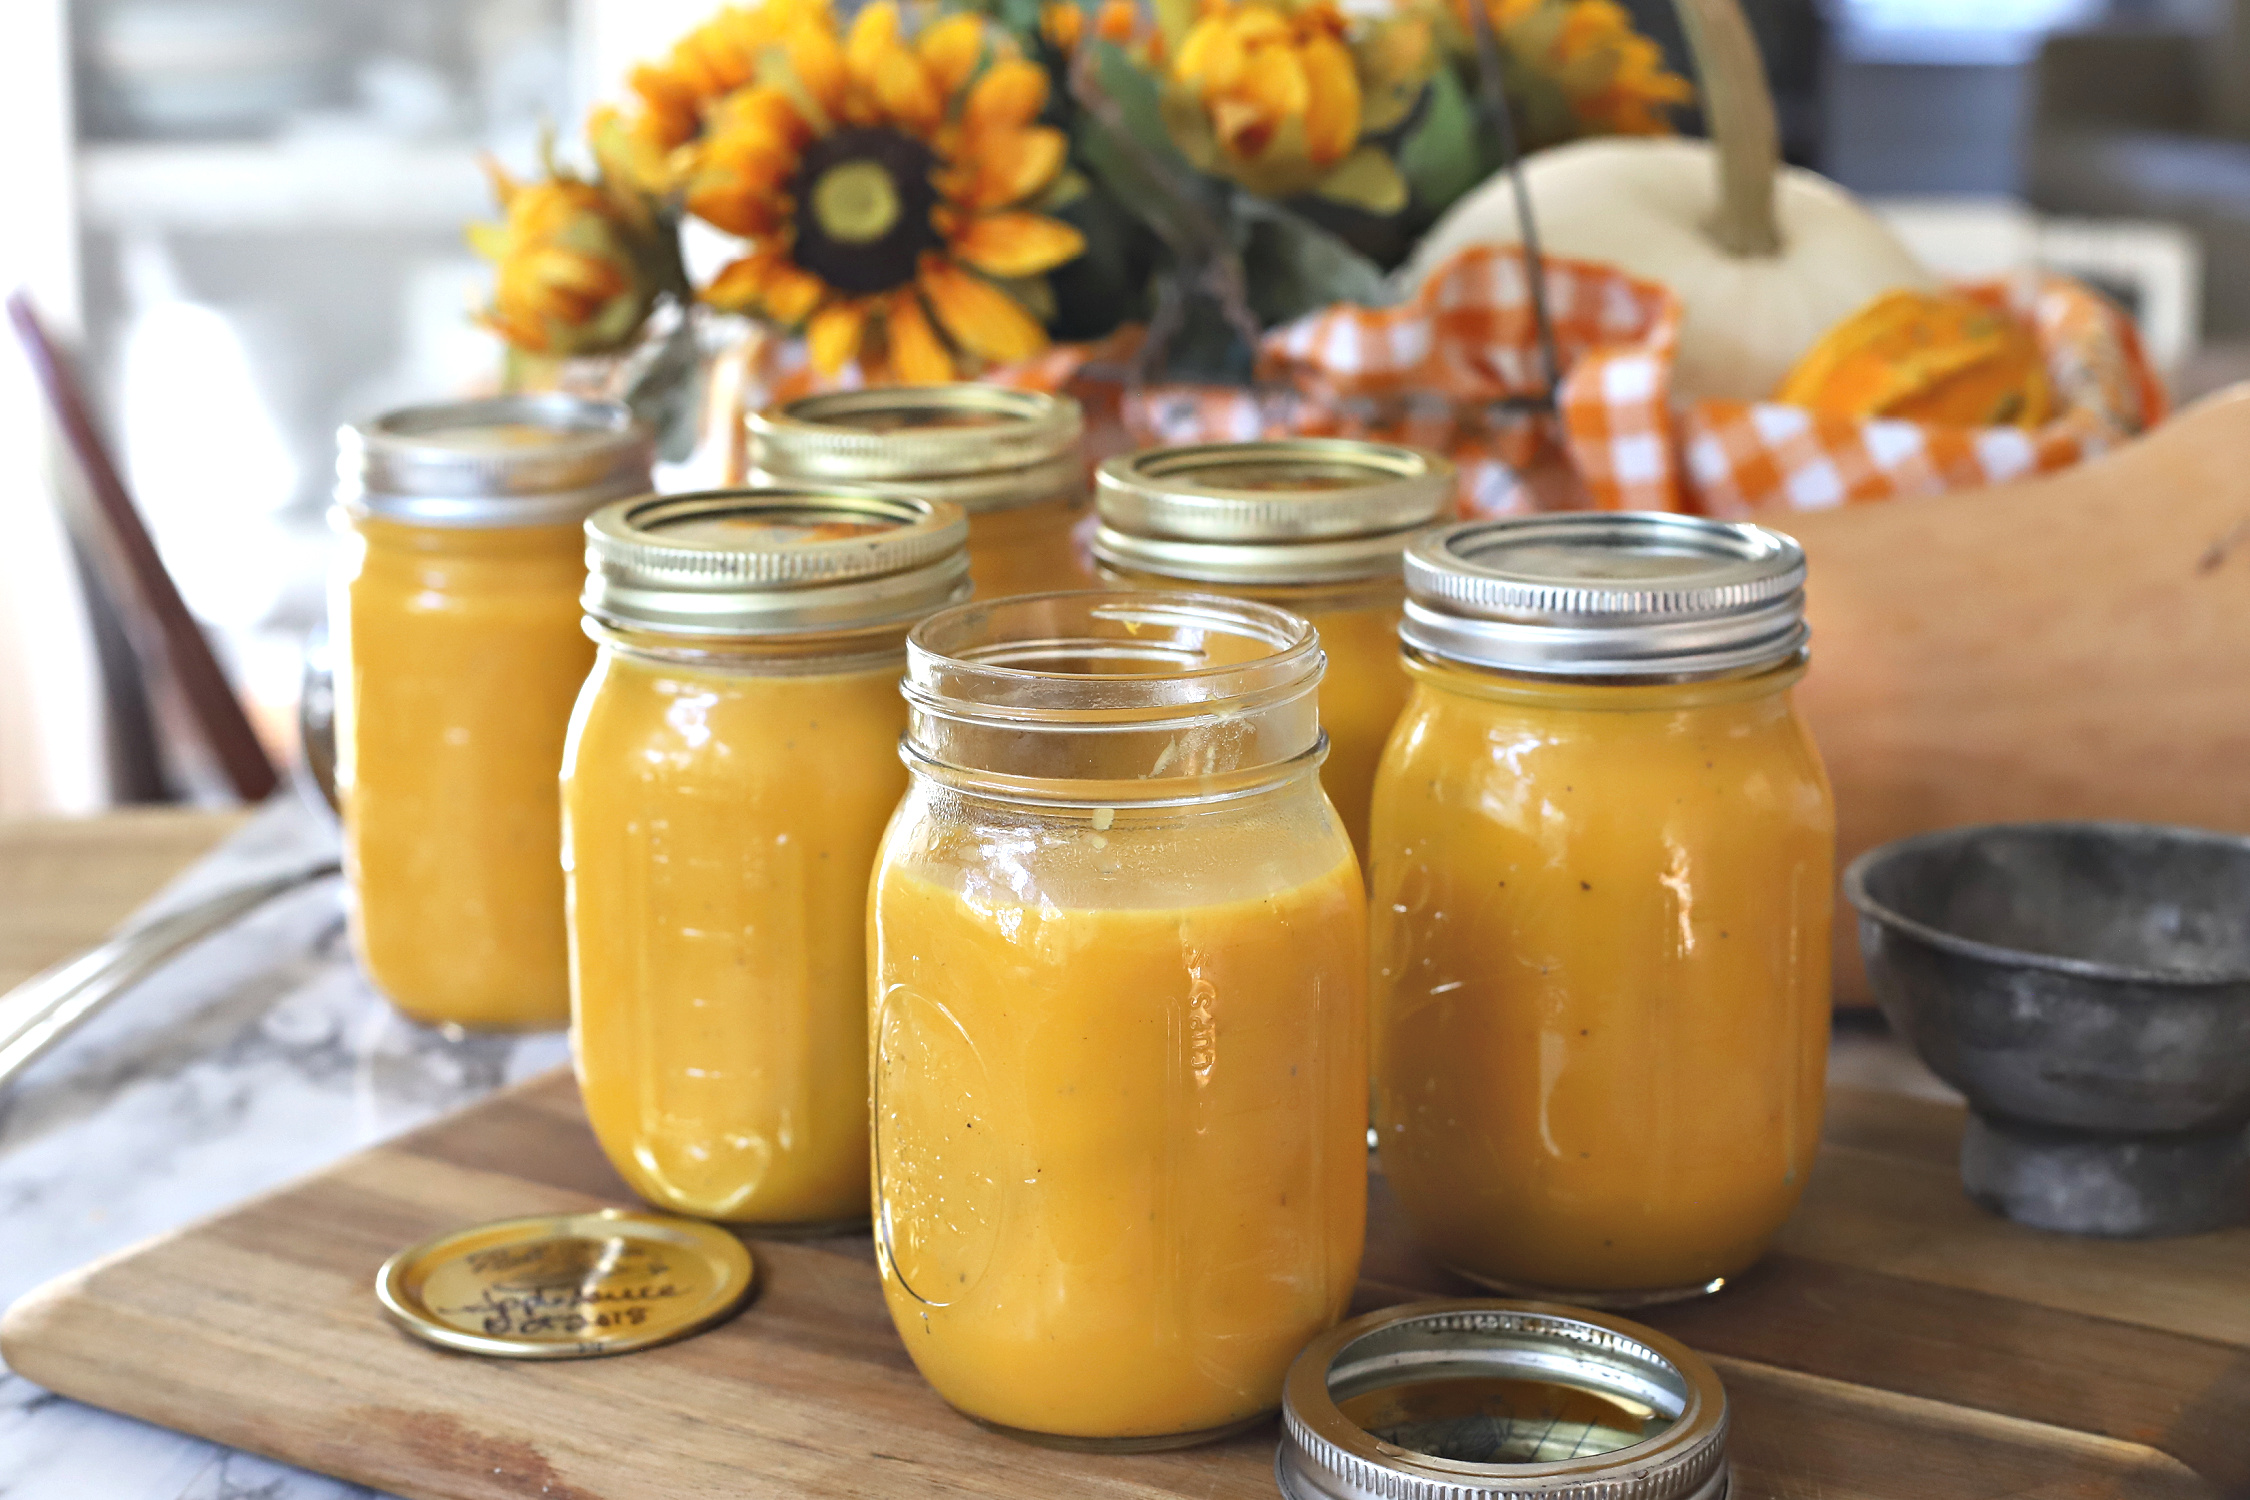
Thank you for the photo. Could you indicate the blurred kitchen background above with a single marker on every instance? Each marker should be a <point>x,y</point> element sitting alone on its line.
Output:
<point>243,218</point>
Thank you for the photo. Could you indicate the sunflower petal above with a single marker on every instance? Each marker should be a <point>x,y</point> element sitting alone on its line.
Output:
<point>918,357</point>
<point>1017,244</point>
<point>979,316</point>
<point>951,50</point>
<point>491,241</point>
<point>907,91</point>
<point>873,37</point>
<point>737,183</point>
<point>1010,167</point>
<point>816,64</point>
<point>1332,100</point>
<point>736,287</point>
<point>1211,55</point>
<point>1009,95</point>
<point>834,335</point>
<point>792,293</point>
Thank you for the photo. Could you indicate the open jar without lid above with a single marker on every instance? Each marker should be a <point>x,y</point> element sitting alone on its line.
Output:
<point>1490,1400</point>
<point>1118,984</point>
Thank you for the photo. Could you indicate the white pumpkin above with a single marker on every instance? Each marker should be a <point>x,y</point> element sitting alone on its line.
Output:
<point>1764,258</point>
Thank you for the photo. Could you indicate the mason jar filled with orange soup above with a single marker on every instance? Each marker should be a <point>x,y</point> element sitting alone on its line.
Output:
<point>1603,859</point>
<point>455,616</point>
<point>731,765</point>
<point>1119,978</point>
<point>1315,525</point>
<point>1009,458</point>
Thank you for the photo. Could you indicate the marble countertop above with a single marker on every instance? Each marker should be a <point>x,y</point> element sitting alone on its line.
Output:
<point>253,1059</point>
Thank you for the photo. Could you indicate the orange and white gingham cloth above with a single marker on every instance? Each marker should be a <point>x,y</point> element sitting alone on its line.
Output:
<point>1433,371</point>
<point>1742,457</point>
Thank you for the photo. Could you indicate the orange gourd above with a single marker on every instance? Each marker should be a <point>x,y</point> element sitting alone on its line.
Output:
<point>1938,357</point>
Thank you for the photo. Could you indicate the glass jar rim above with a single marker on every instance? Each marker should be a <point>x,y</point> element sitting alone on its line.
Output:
<point>1112,686</point>
<point>949,639</point>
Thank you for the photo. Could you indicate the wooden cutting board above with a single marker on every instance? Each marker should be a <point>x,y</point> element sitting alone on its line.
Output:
<point>1899,1344</point>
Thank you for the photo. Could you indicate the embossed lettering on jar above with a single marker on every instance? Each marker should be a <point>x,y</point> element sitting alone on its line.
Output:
<point>731,766</point>
<point>1603,864</point>
<point>455,613</point>
<point>1009,458</point>
<point>1315,525</point>
<point>1118,980</point>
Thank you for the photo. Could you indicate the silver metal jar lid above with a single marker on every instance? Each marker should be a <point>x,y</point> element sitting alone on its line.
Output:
<point>1628,595</point>
<point>542,460</point>
<point>987,447</point>
<point>1492,1400</point>
<point>773,561</point>
<point>1287,510</point>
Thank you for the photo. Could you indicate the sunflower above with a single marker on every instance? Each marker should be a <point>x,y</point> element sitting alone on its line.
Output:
<point>577,264</point>
<point>1612,80</point>
<point>886,185</point>
<point>1281,95</point>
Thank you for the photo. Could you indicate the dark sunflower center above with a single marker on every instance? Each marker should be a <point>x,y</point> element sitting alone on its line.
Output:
<point>863,209</point>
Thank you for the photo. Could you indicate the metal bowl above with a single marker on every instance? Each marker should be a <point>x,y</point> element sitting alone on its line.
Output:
<point>2087,987</point>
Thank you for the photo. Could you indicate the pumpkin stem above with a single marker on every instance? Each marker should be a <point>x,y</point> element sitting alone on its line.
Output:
<point>1738,107</point>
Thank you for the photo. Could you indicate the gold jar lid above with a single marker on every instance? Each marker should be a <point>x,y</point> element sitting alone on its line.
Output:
<point>982,447</point>
<point>773,561</point>
<point>1292,510</point>
<point>566,1286</point>
<point>541,460</point>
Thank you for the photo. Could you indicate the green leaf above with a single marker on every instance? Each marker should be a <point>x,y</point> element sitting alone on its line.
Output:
<point>1122,142</point>
<point>1138,95</point>
<point>1440,159</point>
<point>1294,267</point>
<point>1366,179</point>
<point>1108,284</point>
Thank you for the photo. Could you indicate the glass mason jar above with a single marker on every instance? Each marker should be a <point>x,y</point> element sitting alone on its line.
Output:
<point>1009,458</point>
<point>1118,981</point>
<point>1315,525</point>
<point>1604,857</point>
<point>455,616</point>
<point>731,765</point>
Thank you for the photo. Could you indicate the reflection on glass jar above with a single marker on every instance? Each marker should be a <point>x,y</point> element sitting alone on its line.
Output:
<point>1603,849</point>
<point>1119,1026</point>
<point>1315,525</point>
<point>1009,458</point>
<point>455,611</point>
<point>731,765</point>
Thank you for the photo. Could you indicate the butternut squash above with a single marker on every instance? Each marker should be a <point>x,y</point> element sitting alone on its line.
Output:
<point>2073,646</point>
